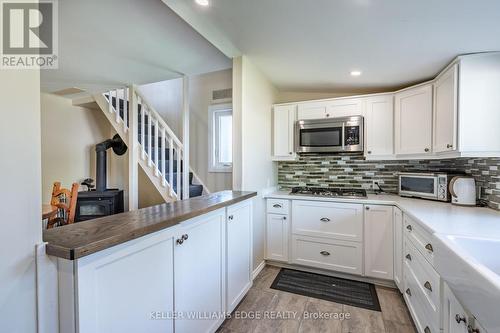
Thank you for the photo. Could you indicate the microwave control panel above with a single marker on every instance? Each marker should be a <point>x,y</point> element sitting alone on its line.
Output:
<point>442,191</point>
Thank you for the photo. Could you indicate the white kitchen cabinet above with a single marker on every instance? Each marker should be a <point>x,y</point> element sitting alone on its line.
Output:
<point>379,126</point>
<point>398,247</point>
<point>312,110</point>
<point>455,318</point>
<point>445,111</point>
<point>277,233</point>
<point>199,272</point>
<point>345,107</point>
<point>413,121</point>
<point>343,221</point>
<point>284,117</point>
<point>331,254</point>
<point>239,252</point>
<point>379,240</point>
<point>126,288</point>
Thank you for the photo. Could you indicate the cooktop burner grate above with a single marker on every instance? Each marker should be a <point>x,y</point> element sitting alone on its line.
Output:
<point>330,192</point>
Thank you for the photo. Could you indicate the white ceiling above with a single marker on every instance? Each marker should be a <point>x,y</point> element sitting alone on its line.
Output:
<point>103,44</point>
<point>314,44</point>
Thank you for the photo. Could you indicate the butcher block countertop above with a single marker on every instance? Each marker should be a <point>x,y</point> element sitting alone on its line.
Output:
<point>81,239</point>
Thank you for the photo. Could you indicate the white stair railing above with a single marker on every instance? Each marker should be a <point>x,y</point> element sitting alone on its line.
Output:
<point>155,139</point>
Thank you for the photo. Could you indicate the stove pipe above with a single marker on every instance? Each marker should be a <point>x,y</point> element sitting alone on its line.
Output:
<point>119,147</point>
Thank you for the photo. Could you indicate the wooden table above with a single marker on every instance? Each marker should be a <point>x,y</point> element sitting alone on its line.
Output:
<point>48,211</point>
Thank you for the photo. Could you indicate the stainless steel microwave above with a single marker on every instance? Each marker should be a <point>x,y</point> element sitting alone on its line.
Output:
<point>329,135</point>
<point>432,186</point>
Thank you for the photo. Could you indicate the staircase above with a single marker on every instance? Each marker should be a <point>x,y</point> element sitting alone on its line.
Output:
<point>160,153</point>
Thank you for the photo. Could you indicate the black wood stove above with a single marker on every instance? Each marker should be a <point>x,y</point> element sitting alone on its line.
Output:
<point>102,201</point>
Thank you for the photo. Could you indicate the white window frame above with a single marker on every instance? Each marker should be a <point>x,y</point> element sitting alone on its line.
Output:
<point>212,110</point>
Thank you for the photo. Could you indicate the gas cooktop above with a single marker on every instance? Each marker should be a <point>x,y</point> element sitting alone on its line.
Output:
<point>330,192</point>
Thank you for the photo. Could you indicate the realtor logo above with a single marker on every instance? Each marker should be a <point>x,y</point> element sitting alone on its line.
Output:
<point>29,34</point>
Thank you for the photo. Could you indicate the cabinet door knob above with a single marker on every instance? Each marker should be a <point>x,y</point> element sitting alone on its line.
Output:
<point>367,208</point>
<point>449,146</point>
<point>369,151</point>
<point>179,241</point>
<point>327,115</point>
<point>408,256</point>
<point>290,153</point>
<point>185,236</point>
<point>409,227</point>
<point>277,206</point>
<point>427,329</point>
<point>324,219</point>
<point>426,150</point>
<point>429,247</point>
<point>325,253</point>
<point>408,292</point>
<point>427,285</point>
<point>460,319</point>
<point>284,217</point>
<point>230,217</point>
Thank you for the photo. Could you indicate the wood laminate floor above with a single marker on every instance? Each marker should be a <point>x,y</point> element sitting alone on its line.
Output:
<point>267,310</point>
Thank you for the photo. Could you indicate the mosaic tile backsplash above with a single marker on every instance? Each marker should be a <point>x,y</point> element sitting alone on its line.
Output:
<point>355,172</point>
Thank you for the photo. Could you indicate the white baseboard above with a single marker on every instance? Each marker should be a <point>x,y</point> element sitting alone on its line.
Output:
<point>258,269</point>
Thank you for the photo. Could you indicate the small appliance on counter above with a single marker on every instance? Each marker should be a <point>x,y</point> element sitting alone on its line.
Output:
<point>425,185</point>
<point>463,191</point>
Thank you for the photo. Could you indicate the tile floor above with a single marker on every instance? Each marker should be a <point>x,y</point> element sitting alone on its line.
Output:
<point>296,313</point>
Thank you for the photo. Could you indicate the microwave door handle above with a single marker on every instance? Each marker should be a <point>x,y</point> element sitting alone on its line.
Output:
<point>342,136</point>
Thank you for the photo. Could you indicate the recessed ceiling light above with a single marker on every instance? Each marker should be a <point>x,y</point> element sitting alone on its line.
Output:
<point>202,2</point>
<point>355,73</point>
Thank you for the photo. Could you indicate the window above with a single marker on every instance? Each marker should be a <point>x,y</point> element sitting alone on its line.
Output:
<point>220,138</point>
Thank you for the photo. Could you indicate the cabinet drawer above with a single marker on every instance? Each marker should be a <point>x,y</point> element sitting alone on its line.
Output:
<point>420,238</point>
<point>277,206</point>
<point>425,322</point>
<point>426,277</point>
<point>322,253</point>
<point>341,221</point>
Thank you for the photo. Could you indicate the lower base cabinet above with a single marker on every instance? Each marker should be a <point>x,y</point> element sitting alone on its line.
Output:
<point>199,274</point>
<point>379,242</point>
<point>336,255</point>
<point>239,253</point>
<point>277,237</point>
<point>182,279</point>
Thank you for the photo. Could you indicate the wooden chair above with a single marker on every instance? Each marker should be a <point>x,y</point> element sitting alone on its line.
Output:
<point>65,201</point>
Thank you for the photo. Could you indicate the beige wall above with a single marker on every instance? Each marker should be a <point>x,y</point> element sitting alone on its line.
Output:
<point>297,96</point>
<point>253,170</point>
<point>148,194</point>
<point>200,98</point>
<point>20,198</point>
<point>166,98</point>
<point>69,136</point>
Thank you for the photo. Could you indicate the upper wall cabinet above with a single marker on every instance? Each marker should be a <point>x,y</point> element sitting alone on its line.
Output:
<point>342,107</point>
<point>445,111</point>
<point>283,126</point>
<point>379,126</point>
<point>312,110</point>
<point>413,120</point>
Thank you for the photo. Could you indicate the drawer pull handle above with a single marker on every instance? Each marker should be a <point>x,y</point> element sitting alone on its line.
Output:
<point>325,253</point>
<point>427,329</point>
<point>277,206</point>
<point>408,256</point>
<point>429,247</point>
<point>408,292</point>
<point>324,219</point>
<point>459,319</point>
<point>409,227</point>
<point>427,285</point>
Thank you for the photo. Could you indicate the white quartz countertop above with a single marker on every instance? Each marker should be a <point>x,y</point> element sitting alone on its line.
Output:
<point>436,217</point>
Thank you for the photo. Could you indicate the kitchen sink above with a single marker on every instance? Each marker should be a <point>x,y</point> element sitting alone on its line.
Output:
<point>471,268</point>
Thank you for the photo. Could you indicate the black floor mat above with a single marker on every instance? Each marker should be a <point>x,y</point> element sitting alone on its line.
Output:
<point>355,293</point>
